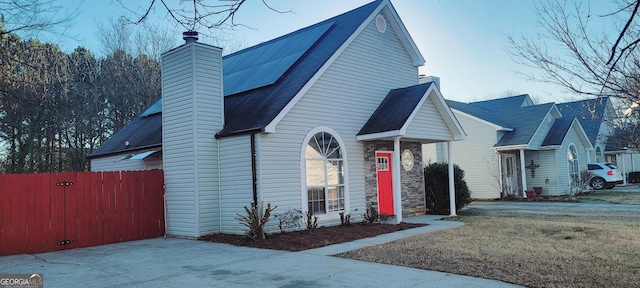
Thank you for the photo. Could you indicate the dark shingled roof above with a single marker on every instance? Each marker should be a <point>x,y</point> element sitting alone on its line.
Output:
<point>508,113</point>
<point>621,140</point>
<point>142,132</point>
<point>558,131</point>
<point>479,112</point>
<point>502,103</point>
<point>524,121</point>
<point>588,112</point>
<point>395,109</point>
<point>254,109</point>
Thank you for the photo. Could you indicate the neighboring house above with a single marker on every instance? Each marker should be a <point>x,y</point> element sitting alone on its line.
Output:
<point>619,152</point>
<point>610,145</point>
<point>596,117</point>
<point>513,145</point>
<point>327,119</point>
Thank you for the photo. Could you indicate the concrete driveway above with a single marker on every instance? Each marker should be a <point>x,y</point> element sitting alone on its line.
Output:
<point>188,263</point>
<point>183,263</point>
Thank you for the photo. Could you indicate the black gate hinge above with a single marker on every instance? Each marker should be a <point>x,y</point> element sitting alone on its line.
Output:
<point>65,242</point>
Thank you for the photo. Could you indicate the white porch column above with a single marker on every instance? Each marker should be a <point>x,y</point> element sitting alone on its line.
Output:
<point>523,171</point>
<point>452,188</point>
<point>397,184</point>
<point>500,174</point>
<point>624,170</point>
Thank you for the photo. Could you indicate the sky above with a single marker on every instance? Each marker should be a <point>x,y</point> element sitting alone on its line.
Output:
<point>463,41</point>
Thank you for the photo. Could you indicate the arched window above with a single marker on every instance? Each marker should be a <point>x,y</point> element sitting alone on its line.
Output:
<point>324,167</point>
<point>598,154</point>
<point>572,163</point>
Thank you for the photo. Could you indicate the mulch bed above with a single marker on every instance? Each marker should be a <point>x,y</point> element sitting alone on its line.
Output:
<point>309,239</point>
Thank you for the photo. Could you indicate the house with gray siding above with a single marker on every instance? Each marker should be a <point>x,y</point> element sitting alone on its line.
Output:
<point>328,119</point>
<point>513,145</point>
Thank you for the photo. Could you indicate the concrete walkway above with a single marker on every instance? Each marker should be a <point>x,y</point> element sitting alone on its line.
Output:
<point>187,263</point>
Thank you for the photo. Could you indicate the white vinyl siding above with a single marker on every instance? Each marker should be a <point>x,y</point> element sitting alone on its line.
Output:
<point>561,160</point>
<point>113,163</point>
<point>343,98</point>
<point>236,181</point>
<point>428,122</point>
<point>542,132</point>
<point>548,170</point>
<point>192,105</point>
<point>477,158</point>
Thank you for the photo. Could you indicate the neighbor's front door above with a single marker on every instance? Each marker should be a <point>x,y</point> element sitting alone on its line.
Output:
<point>509,173</point>
<point>385,184</point>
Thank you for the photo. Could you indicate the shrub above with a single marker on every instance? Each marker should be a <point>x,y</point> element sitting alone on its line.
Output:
<point>345,219</point>
<point>371,216</point>
<point>311,221</point>
<point>585,180</point>
<point>290,220</point>
<point>436,184</point>
<point>255,220</point>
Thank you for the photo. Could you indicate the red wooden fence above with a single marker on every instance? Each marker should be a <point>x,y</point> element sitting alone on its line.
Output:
<point>55,211</point>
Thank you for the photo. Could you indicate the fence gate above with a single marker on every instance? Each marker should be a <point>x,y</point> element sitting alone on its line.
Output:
<point>55,211</point>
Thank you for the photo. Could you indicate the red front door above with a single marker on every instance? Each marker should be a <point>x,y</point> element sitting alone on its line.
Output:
<point>385,183</point>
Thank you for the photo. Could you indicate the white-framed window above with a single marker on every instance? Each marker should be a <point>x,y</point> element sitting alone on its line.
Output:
<point>325,174</point>
<point>598,154</point>
<point>382,163</point>
<point>573,165</point>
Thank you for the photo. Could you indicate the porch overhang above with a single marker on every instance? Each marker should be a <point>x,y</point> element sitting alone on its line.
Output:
<point>391,135</point>
<point>512,147</point>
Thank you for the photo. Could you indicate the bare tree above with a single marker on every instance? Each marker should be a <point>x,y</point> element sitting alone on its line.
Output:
<point>196,14</point>
<point>143,39</point>
<point>29,17</point>
<point>578,56</point>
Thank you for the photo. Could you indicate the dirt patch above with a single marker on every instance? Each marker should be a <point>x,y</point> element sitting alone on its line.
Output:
<point>309,239</point>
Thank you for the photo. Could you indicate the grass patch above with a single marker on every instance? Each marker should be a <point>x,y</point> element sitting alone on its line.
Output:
<point>615,197</point>
<point>533,249</point>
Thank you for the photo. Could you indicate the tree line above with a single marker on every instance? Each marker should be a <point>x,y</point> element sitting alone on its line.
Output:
<point>57,107</point>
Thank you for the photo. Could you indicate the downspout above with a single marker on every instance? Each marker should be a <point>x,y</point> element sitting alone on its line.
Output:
<point>397,184</point>
<point>523,172</point>
<point>254,172</point>
<point>452,188</point>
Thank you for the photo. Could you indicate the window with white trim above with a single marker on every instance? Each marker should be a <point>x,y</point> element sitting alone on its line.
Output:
<point>572,162</point>
<point>383,163</point>
<point>598,154</point>
<point>324,174</point>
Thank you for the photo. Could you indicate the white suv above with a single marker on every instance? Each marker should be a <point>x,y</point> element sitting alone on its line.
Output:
<point>606,176</point>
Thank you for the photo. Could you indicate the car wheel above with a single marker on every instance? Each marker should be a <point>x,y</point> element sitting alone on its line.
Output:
<point>598,183</point>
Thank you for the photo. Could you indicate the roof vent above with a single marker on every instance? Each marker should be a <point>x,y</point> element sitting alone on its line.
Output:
<point>190,36</point>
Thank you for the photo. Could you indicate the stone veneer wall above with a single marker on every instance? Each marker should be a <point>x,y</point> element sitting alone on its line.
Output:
<point>413,199</point>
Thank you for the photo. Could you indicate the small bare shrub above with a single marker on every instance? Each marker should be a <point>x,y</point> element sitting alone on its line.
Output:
<point>585,179</point>
<point>384,218</point>
<point>345,219</point>
<point>255,220</point>
<point>311,221</point>
<point>290,220</point>
<point>371,216</point>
